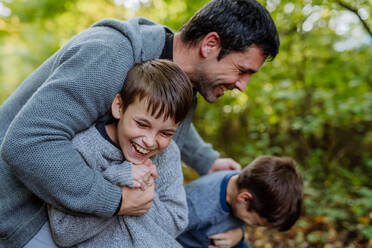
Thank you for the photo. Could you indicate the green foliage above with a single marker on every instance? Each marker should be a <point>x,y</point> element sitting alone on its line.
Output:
<point>31,11</point>
<point>312,102</point>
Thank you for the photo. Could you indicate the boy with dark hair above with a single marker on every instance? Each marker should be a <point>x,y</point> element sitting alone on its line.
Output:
<point>268,192</point>
<point>156,97</point>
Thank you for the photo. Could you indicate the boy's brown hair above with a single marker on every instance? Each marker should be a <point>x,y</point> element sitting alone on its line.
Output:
<point>277,190</point>
<point>165,86</point>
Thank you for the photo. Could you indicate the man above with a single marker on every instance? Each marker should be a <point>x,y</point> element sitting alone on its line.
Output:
<point>221,46</point>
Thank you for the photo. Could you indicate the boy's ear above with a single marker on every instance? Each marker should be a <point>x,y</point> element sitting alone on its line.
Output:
<point>210,45</point>
<point>244,197</point>
<point>116,106</point>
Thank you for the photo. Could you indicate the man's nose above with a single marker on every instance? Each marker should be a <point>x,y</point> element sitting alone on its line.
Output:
<point>242,83</point>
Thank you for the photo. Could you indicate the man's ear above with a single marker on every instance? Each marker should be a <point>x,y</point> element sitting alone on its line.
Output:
<point>210,45</point>
<point>117,107</point>
<point>245,197</point>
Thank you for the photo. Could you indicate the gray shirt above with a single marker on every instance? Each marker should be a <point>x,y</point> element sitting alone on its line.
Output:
<point>157,228</point>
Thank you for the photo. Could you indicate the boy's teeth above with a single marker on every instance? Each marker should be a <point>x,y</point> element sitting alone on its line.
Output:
<point>140,149</point>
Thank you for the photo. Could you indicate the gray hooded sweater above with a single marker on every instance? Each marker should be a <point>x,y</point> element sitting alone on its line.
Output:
<point>64,96</point>
<point>157,228</point>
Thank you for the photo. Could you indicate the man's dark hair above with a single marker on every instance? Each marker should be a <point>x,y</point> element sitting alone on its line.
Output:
<point>239,23</point>
<point>163,84</point>
<point>277,190</point>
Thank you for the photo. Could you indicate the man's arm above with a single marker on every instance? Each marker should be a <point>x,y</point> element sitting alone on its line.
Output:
<point>38,145</point>
<point>196,153</point>
<point>69,230</point>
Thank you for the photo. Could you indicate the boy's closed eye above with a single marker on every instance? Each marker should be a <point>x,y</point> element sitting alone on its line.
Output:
<point>141,124</point>
<point>167,134</point>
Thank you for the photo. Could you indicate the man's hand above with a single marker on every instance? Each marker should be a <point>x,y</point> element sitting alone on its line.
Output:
<point>224,164</point>
<point>136,201</point>
<point>144,174</point>
<point>227,239</point>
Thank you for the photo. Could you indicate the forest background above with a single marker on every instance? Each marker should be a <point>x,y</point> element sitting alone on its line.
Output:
<point>313,102</point>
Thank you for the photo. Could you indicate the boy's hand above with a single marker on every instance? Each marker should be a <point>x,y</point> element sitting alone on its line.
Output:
<point>144,174</point>
<point>224,164</point>
<point>227,239</point>
<point>136,201</point>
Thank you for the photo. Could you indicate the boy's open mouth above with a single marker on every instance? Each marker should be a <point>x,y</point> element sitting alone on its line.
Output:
<point>140,149</point>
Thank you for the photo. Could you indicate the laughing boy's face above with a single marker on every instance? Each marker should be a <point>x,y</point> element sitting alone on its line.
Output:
<point>141,135</point>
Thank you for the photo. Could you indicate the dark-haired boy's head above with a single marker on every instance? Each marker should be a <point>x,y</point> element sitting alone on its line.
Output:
<point>156,97</point>
<point>271,190</point>
<point>238,23</point>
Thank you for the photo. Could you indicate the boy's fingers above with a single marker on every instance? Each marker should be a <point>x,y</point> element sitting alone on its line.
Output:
<point>136,184</point>
<point>221,243</point>
<point>217,236</point>
<point>150,181</point>
<point>154,171</point>
<point>143,187</point>
<point>220,240</point>
<point>147,162</point>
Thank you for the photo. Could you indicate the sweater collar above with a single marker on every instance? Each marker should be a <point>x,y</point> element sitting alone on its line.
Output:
<point>168,46</point>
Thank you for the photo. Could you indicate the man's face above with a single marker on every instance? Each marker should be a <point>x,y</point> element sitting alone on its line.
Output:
<point>234,70</point>
<point>140,134</point>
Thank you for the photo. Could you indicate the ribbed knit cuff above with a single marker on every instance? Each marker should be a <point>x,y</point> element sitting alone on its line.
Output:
<point>119,206</point>
<point>108,200</point>
<point>119,174</point>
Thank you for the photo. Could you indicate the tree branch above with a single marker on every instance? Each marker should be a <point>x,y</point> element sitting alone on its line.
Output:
<point>355,11</point>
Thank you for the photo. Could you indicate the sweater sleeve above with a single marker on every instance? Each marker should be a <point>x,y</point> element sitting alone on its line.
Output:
<point>196,153</point>
<point>119,174</point>
<point>38,144</point>
<point>169,208</point>
<point>69,230</point>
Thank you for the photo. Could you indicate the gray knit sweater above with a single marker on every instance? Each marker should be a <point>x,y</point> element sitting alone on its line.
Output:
<point>157,228</point>
<point>64,96</point>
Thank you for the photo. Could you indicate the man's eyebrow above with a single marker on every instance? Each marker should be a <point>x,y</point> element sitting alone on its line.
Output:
<point>247,70</point>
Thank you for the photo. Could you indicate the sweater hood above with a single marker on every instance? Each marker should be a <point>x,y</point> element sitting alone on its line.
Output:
<point>142,33</point>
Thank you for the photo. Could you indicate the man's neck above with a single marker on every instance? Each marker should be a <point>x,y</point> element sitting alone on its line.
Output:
<point>232,189</point>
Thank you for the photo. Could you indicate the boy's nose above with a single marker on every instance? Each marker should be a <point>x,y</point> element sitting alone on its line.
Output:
<point>149,141</point>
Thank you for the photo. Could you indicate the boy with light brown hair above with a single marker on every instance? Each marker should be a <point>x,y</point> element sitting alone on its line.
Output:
<point>155,99</point>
